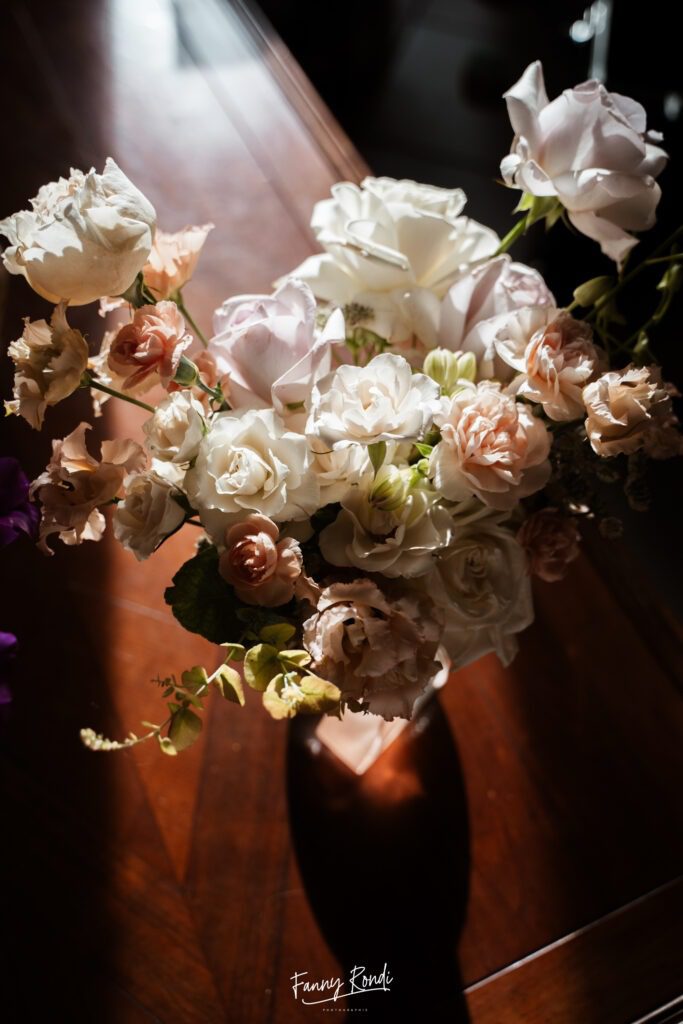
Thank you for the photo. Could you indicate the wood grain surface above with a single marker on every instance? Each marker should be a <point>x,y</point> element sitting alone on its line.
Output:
<point>521,844</point>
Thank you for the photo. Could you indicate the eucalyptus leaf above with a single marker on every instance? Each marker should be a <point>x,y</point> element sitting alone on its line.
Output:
<point>229,683</point>
<point>201,600</point>
<point>184,729</point>
<point>260,665</point>
<point>277,634</point>
<point>166,746</point>
<point>194,678</point>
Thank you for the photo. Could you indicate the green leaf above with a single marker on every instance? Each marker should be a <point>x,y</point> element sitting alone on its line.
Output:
<point>229,682</point>
<point>201,600</point>
<point>287,696</point>
<point>274,704</point>
<point>424,449</point>
<point>294,659</point>
<point>166,746</point>
<point>588,293</point>
<point>194,678</point>
<point>184,729</point>
<point>234,652</point>
<point>260,665</point>
<point>320,697</point>
<point>377,453</point>
<point>278,634</point>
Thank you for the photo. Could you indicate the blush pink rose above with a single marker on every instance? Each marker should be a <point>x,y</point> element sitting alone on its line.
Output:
<point>550,541</point>
<point>152,343</point>
<point>262,569</point>
<point>173,259</point>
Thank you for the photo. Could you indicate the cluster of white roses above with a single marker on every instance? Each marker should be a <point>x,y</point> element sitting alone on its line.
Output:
<point>358,446</point>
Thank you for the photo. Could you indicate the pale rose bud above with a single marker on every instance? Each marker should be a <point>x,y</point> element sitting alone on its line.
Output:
<point>49,363</point>
<point>85,236</point>
<point>173,259</point>
<point>447,368</point>
<point>550,541</point>
<point>627,410</point>
<point>147,515</point>
<point>389,489</point>
<point>262,569</point>
<point>589,149</point>
<point>151,344</point>
<point>175,430</point>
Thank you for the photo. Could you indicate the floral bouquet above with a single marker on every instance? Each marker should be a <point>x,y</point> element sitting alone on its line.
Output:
<point>382,452</point>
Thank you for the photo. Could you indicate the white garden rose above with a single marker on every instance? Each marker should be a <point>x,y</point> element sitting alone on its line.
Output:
<point>383,401</point>
<point>491,447</point>
<point>147,514</point>
<point>482,584</point>
<point>398,543</point>
<point>338,469</point>
<point>86,236</point>
<point>387,235</point>
<point>176,429</point>
<point>590,149</point>
<point>249,462</point>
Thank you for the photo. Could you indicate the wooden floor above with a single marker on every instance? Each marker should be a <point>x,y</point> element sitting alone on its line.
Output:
<point>515,859</point>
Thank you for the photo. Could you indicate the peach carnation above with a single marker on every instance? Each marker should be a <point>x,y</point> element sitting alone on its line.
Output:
<point>152,343</point>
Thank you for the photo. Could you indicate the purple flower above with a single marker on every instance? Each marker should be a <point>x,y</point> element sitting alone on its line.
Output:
<point>8,650</point>
<point>17,514</point>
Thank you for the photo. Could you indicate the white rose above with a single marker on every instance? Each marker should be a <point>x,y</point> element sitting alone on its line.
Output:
<point>175,430</point>
<point>391,234</point>
<point>86,236</point>
<point>589,147</point>
<point>482,584</point>
<point>383,401</point>
<point>397,543</point>
<point>491,447</point>
<point>338,470</point>
<point>249,462</point>
<point>147,514</point>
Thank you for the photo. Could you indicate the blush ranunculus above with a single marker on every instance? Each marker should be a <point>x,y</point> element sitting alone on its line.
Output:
<point>263,569</point>
<point>150,346</point>
<point>589,148</point>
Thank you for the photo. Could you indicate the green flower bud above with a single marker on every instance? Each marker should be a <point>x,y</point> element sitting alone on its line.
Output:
<point>447,368</point>
<point>187,373</point>
<point>389,490</point>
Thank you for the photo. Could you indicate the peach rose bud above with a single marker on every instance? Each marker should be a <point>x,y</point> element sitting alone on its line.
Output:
<point>263,570</point>
<point>152,343</point>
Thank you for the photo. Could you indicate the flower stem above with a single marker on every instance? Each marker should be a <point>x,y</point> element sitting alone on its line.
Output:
<point>90,382</point>
<point>217,397</point>
<point>515,232</point>
<point>186,313</point>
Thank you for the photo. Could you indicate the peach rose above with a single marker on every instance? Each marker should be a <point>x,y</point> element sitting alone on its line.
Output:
<point>173,259</point>
<point>262,570</point>
<point>151,344</point>
<point>379,650</point>
<point>550,541</point>
<point>631,409</point>
<point>491,447</point>
<point>555,357</point>
<point>74,484</point>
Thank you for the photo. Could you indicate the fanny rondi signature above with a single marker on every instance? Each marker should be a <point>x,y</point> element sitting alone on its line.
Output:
<point>329,990</point>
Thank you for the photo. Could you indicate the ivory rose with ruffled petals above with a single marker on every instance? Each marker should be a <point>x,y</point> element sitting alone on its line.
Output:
<point>150,346</point>
<point>263,569</point>
<point>378,648</point>
<point>387,235</point>
<point>49,361</point>
<point>270,348</point>
<point>590,149</point>
<point>147,515</point>
<point>491,447</point>
<point>86,236</point>
<point>175,430</point>
<point>173,259</point>
<point>631,409</point>
<point>74,484</point>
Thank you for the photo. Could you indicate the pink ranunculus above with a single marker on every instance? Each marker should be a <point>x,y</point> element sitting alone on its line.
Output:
<point>75,484</point>
<point>590,149</point>
<point>491,447</point>
<point>173,259</point>
<point>262,569</point>
<point>550,541</point>
<point>271,350</point>
<point>379,647</point>
<point>151,344</point>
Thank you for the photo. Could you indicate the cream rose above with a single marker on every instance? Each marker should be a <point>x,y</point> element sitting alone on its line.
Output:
<point>86,236</point>
<point>482,585</point>
<point>172,259</point>
<point>379,649</point>
<point>337,470</point>
<point>147,514</point>
<point>627,409</point>
<point>176,429</point>
<point>263,569</point>
<point>554,356</point>
<point>150,346</point>
<point>590,149</point>
<point>387,235</point>
<point>249,462</point>
<point>49,361</point>
<point>383,401</point>
<point>491,447</point>
<point>74,484</point>
<point>399,543</point>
